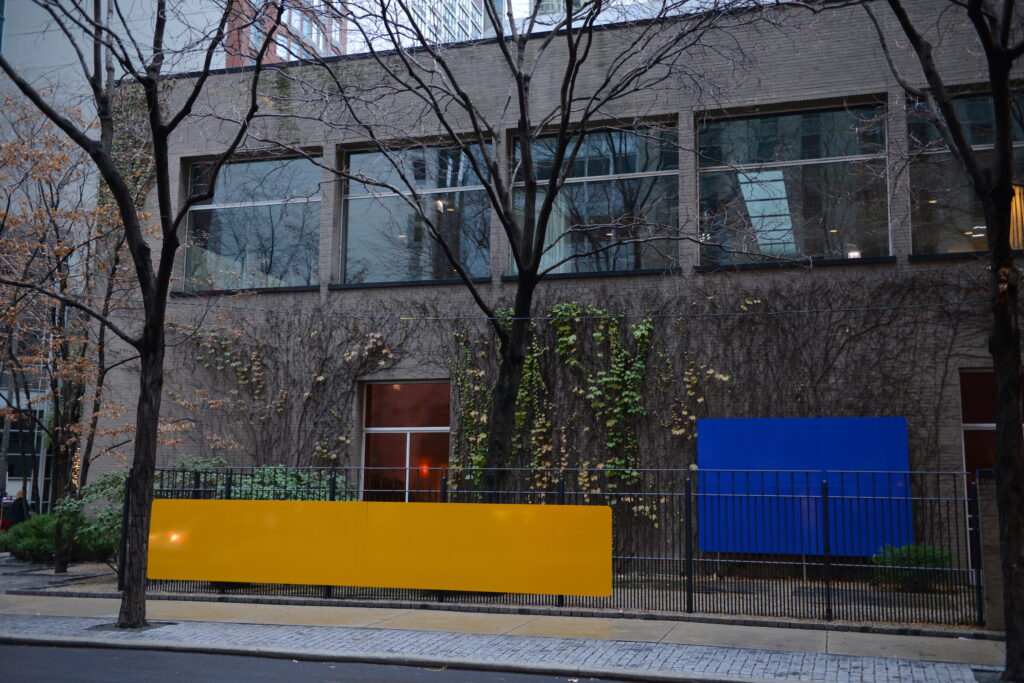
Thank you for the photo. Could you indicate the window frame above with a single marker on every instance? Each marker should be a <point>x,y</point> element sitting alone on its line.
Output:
<point>916,154</point>
<point>654,123</point>
<point>408,431</point>
<point>881,156</point>
<point>343,212</point>
<point>191,165</point>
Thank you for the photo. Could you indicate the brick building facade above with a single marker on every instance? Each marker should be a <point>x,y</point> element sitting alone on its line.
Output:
<point>831,269</point>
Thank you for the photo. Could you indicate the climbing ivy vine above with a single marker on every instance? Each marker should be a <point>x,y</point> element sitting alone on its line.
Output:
<point>592,381</point>
<point>613,376</point>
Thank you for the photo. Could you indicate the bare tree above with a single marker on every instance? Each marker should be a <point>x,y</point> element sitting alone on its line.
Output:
<point>53,233</point>
<point>116,59</point>
<point>999,30</point>
<point>565,87</point>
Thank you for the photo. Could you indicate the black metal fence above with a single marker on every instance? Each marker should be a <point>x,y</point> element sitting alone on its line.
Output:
<point>856,546</point>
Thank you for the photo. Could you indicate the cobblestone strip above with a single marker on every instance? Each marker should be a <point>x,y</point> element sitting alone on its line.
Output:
<point>533,650</point>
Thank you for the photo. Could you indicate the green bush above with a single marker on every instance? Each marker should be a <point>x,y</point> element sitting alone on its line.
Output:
<point>32,540</point>
<point>96,517</point>
<point>283,483</point>
<point>913,568</point>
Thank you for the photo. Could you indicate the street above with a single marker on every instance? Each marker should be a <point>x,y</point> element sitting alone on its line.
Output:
<point>35,663</point>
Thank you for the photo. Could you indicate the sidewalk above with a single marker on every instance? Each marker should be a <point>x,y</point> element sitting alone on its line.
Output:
<point>572,646</point>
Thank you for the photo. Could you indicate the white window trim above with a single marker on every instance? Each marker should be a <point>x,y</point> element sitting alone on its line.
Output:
<point>789,164</point>
<point>247,205</point>
<point>438,190</point>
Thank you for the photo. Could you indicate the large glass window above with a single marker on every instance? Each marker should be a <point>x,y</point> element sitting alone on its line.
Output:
<point>808,185</point>
<point>406,441</point>
<point>388,233</point>
<point>618,208</point>
<point>260,229</point>
<point>946,216</point>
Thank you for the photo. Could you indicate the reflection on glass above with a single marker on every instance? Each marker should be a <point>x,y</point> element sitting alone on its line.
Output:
<point>428,462</point>
<point>261,228</point>
<point>389,241</point>
<point>946,216</point>
<point>798,186</point>
<point>832,211</point>
<point>274,245</point>
<point>258,181</point>
<point>424,168</point>
<point>792,137</point>
<point>976,116</point>
<point>609,225</point>
<point>402,461</point>
<point>610,152</point>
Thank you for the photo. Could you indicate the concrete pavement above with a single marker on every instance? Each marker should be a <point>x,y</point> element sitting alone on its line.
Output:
<point>572,646</point>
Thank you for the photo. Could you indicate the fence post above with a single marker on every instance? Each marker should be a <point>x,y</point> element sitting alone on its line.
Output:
<point>974,538</point>
<point>990,557</point>
<point>826,566</point>
<point>688,530</point>
<point>195,484</point>
<point>123,550</point>
<point>227,486</point>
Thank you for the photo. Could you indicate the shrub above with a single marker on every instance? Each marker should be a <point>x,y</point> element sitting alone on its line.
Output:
<point>913,568</point>
<point>283,483</point>
<point>32,540</point>
<point>96,517</point>
<point>99,535</point>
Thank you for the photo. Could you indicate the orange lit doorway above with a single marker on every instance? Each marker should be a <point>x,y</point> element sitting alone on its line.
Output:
<point>405,441</point>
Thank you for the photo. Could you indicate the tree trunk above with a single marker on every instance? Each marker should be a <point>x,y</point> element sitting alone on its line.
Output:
<point>62,483</point>
<point>5,446</point>
<point>63,546</point>
<point>501,421</point>
<point>1009,466</point>
<point>151,379</point>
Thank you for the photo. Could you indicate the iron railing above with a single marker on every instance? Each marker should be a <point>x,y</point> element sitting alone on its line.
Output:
<point>855,546</point>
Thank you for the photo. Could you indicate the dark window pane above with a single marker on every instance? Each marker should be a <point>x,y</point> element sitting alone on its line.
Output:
<point>946,216</point>
<point>975,113</point>
<point>609,152</point>
<point>978,397</point>
<point>428,459</point>
<point>385,475</point>
<point>257,181</point>
<point>833,211</point>
<point>592,223</point>
<point>388,241</point>
<point>274,245</point>
<point>422,168</point>
<point>423,404</point>
<point>979,449</point>
<point>792,137</point>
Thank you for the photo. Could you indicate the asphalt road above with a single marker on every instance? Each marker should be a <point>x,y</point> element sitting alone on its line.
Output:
<point>22,663</point>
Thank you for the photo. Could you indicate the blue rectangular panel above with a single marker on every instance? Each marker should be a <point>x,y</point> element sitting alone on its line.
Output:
<point>759,485</point>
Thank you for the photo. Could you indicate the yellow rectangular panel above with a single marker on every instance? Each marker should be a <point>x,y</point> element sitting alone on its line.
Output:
<point>550,549</point>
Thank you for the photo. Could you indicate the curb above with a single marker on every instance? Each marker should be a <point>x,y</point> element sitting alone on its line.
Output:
<point>533,611</point>
<point>370,658</point>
